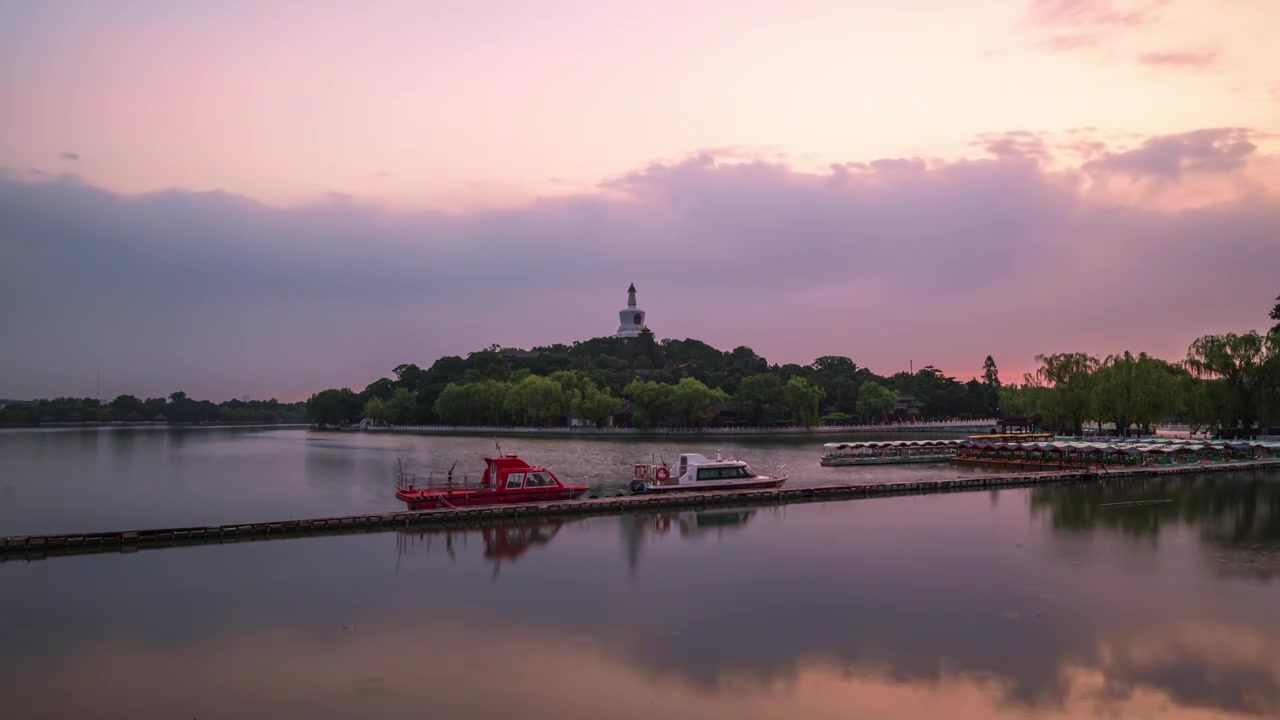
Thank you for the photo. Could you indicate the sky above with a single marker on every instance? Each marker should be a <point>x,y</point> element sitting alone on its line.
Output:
<point>242,198</point>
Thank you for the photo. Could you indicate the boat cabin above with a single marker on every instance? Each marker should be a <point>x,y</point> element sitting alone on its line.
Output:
<point>694,467</point>
<point>509,472</point>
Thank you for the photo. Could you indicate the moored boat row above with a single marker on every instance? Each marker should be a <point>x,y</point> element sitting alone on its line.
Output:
<point>888,452</point>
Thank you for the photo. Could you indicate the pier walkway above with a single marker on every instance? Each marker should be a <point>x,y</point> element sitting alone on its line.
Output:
<point>33,547</point>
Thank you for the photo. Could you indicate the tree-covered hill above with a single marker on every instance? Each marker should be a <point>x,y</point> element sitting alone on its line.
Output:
<point>685,382</point>
<point>1225,381</point>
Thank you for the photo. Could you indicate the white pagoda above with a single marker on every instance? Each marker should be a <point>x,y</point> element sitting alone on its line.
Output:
<point>631,320</point>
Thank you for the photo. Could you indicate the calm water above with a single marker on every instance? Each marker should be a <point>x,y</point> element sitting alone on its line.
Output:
<point>91,480</point>
<point>1018,603</point>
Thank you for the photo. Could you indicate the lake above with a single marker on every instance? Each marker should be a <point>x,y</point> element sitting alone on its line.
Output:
<point>1014,603</point>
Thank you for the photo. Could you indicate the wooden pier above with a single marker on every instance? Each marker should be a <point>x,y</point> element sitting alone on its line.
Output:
<point>32,547</point>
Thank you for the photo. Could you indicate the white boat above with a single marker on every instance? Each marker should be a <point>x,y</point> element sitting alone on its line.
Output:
<point>696,473</point>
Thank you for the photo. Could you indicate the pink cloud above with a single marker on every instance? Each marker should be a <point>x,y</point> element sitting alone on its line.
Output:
<point>1067,43</point>
<point>1183,59</point>
<point>1094,13</point>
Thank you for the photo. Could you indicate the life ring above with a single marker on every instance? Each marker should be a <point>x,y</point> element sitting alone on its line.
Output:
<point>661,474</point>
<point>642,471</point>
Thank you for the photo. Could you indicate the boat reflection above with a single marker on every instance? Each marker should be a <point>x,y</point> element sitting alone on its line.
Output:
<point>637,528</point>
<point>505,541</point>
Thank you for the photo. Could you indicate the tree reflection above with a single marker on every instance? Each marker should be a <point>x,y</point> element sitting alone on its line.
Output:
<point>1237,515</point>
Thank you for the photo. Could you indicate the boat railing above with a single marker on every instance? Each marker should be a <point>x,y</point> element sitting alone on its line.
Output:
<point>434,480</point>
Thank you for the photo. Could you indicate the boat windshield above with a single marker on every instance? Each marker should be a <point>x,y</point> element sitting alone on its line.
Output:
<point>725,473</point>
<point>538,479</point>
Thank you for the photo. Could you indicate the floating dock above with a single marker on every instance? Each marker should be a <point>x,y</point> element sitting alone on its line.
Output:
<point>34,547</point>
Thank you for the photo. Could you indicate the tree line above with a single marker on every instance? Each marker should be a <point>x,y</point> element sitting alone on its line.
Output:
<point>1226,381</point>
<point>672,382</point>
<point>177,408</point>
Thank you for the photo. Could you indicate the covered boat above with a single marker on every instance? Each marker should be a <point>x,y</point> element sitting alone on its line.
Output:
<point>890,452</point>
<point>507,479</point>
<point>696,473</point>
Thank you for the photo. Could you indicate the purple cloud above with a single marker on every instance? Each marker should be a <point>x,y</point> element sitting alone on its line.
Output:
<point>884,261</point>
<point>1218,150</point>
<point>1016,144</point>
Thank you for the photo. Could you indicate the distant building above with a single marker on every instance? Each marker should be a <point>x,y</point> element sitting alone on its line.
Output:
<point>908,409</point>
<point>631,320</point>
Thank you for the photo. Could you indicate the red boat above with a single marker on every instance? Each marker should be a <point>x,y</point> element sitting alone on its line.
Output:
<point>507,479</point>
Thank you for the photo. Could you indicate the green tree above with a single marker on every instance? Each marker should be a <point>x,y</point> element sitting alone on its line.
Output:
<point>650,402</point>
<point>803,399</point>
<point>875,401</point>
<point>537,401</point>
<point>1129,390</point>
<point>1067,401</point>
<point>1275,315</point>
<point>327,407</point>
<point>758,397</point>
<point>1242,362</point>
<point>453,406</point>
<point>377,411</point>
<point>990,374</point>
<point>381,388</point>
<point>696,403</point>
<point>574,384</point>
<point>126,407</point>
<point>402,406</point>
<point>596,405</point>
<point>1015,401</point>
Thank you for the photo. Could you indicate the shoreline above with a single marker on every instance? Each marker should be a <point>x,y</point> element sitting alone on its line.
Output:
<point>147,424</point>
<point>957,427</point>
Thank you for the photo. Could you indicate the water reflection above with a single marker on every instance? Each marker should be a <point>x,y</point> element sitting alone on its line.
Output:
<point>505,541</point>
<point>1050,603</point>
<point>1237,516</point>
<point>640,528</point>
<point>441,668</point>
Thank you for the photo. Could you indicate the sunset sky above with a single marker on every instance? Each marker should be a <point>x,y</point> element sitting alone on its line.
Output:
<point>270,198</point>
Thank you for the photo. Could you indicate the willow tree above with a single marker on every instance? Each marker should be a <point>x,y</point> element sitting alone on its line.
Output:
<point>1134,390</point>
<point>1244,363</point>
<point>696,403</point>
<point>650,402</point>
<point>875,401</point>
<point>1067,398</point>
<point>803,399</point>
<point>537,401</point>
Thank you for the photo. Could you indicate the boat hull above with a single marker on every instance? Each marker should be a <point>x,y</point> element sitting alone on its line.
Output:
<point>708,485</point>
<point>428,500</point>
<point>847,462</point>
